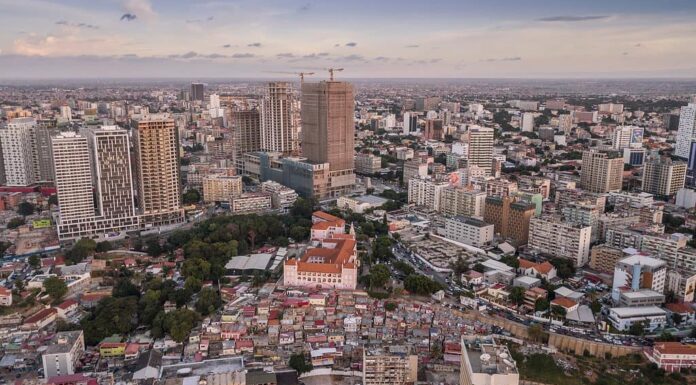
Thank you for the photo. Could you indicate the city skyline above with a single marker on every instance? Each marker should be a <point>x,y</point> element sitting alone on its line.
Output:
<point>539,39</point>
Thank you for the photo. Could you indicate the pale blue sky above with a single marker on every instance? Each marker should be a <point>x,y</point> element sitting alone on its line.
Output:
<point>377,38</point>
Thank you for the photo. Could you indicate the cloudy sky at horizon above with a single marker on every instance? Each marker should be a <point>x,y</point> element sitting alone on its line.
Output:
<point>376,38</point>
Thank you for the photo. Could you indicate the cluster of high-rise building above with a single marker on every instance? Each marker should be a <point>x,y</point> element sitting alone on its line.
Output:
<point>107,185</point>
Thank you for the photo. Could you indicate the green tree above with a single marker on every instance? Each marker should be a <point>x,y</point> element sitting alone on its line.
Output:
<point>154,248</point>
<point>55,288</point>
<point>25,209</point>
<point>53,200</point>
<point>191,196</point>
<point>299,363</point>
<point>125,288</point>
<point>390,306</point>
<point>208,301</point>
<point>637,328</point>
<point>81,250</point>
<point>379,276</point>
<point>181,322</point>
<point>517,295</point>
<point>558,311</point>
<point>596,306</point>
<point>35,261</point>
<point>303,208</point>
<point>15,222</point>
<point>541,304</point>
<point>103,247</point>
<point>195,267</point>
<point>193,284</point>
<point>459,267</point>
<point>420,284</point>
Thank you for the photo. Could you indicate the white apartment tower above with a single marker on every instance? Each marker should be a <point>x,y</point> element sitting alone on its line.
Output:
<point>687,130</point>
<point>18,151</point>
<point>71,161</point>
<point>278,131</point>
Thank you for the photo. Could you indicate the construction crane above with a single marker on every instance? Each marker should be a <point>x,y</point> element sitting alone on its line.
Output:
<point>331,72</point>
<point>302,74</point>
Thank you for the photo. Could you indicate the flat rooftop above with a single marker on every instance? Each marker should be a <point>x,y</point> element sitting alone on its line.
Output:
<point>491,359</point>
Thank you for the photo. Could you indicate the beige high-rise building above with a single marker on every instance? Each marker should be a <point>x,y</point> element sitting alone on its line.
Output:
<point>156,152</point>
<point>663,177</point>
<point>278,130</point>
<point>328,130</point>
<point>481,140</point>
<point>381,367</point>
<point>71,161</point>
<point>510,218</point>
<point>247,124</point>
<point>601,172</point>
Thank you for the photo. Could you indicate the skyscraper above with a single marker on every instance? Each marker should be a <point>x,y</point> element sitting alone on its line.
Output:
<point>601,171</point>
<point>43,150</point>
<point>71,159</point>
<point>328,131</point>
<point>156,151</point>
<point>410,122</point>
<point>247,125</point>
<point>111,171</point>
<point>481,141</point>
<point>17,140</point>
<point>687,130</point>
<point>663,177</point>
<point>197,91</point>
<point>278,131</point>
<point>433,129</point>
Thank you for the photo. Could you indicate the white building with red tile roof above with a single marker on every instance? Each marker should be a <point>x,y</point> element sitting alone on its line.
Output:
<point>673,356</point>
<point>332,262</point>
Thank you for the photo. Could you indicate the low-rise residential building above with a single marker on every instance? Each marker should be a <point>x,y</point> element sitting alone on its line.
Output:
<point>544,270</point>
<point>251,202</point>
<point>221,188</point>
<point>652,317</point>
<point>360,204</point>
<point>645,297</point>
<point>368,164</point>
<point>282,198</point>
<point>470,231</point>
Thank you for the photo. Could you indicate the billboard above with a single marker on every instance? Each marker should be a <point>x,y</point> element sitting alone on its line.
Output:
<point>41,223</point>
